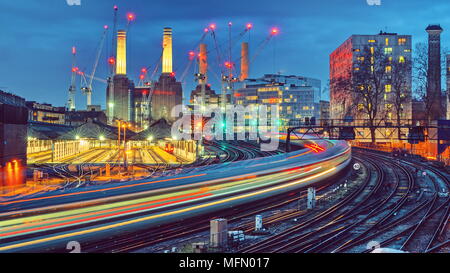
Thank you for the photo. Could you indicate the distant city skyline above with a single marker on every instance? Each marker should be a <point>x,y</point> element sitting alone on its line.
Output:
<point>38,36</point>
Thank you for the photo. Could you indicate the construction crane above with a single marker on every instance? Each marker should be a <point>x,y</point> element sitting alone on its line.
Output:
<point>112,57</point>
<point>273,32</point>
<point>72,88</point>
<point>87,89</point>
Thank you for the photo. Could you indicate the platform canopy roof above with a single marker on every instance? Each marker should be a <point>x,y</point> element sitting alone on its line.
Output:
<point>47,131</point>
<point>158,130</point>
<point>94,130</point>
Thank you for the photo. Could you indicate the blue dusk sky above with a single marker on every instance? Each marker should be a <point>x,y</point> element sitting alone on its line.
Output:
<point>37,36</point>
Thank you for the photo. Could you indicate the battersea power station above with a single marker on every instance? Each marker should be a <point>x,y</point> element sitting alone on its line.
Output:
<point>149,101</point>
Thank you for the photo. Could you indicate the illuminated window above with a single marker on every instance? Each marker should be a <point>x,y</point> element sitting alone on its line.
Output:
<point>372,50</point>
<point>387,41</point>
<point>388,88</point>
<point>371,41</point>
<point>387,50</point>
<point>360,107</point>
<point>401,59</point>
<point>360,59</point>
<point>356,68</point>
<point>388,69</point>
<point>388,106</point>
<point>305,108</point>
<point>407,50</point>
<point>402,41</point>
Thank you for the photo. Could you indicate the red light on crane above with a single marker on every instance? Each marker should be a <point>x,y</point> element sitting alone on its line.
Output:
<point>111,60</point>
<point>75,69</point>
<point>230,24</point>
<point>191,55</point>
<point>206,30</point>
<point>105,27</point>
<point>74,50</point>
<point>274,31</point>
<point>172,74</point>
<point>212,26</point>
<point>144,70</point>
<point>131,16</point>
<point>249,26</point>
<point>141,77</point>
<point>116,7</point>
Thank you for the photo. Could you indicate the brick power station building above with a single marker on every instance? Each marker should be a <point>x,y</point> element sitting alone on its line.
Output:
<point>142,104</point>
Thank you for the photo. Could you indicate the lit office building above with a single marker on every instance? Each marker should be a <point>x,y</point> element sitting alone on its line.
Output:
<point>344,62</point>
<point>297,97</point>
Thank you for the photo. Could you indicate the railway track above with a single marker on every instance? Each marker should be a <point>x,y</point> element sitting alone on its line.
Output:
<point>132,242</point>
<point>340,229</point>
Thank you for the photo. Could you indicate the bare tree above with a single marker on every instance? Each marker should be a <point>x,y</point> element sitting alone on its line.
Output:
<point>342,94</point>
<point>400,80</point>
<point>370,76</point>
